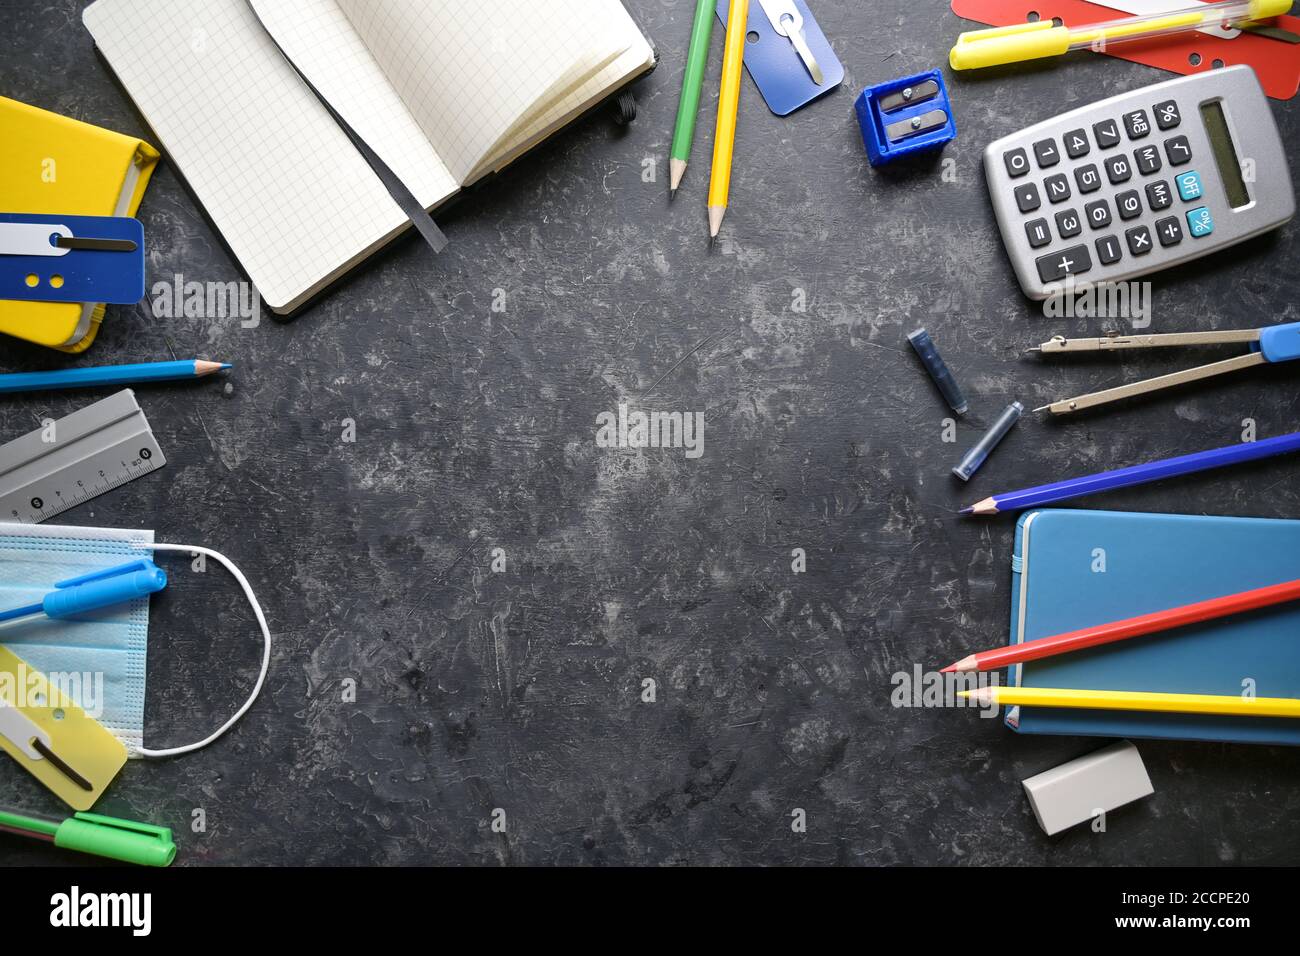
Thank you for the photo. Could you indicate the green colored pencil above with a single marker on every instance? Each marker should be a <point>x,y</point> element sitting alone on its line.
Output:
<point>697,59</point>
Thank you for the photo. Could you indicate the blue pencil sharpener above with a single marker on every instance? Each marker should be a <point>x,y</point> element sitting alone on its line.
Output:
<point>904,117</point>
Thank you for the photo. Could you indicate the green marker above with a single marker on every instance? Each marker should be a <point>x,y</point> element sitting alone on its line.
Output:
<point>697,58</point>
<point>121,840</point>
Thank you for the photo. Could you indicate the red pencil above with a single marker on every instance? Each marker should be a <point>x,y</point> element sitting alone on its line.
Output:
<point>1129,627</point>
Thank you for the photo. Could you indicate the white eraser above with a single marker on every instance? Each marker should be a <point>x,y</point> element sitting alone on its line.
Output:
<point>1096,783</point>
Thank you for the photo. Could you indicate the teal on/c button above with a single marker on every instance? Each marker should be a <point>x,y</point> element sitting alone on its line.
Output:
<point>1189,185</point>
<point>1200,222</point>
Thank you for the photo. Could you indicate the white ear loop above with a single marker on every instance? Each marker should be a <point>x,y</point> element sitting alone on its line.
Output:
<point>266,653</point>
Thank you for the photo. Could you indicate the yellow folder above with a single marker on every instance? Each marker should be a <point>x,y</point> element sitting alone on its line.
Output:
<point>55,164</point>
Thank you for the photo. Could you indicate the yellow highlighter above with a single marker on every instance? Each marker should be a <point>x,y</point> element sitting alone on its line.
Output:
<point>1225,705</point>
<point>1033,41</point>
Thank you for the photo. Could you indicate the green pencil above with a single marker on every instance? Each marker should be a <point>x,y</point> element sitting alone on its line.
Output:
<point>697,58</point>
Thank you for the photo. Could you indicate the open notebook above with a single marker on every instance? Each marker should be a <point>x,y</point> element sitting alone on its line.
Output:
<point>444,91</point>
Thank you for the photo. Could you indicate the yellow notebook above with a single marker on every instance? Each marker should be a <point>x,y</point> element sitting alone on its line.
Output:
<point>56,164</point>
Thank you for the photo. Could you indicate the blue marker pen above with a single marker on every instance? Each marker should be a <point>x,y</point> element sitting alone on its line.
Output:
<point>94,591</point>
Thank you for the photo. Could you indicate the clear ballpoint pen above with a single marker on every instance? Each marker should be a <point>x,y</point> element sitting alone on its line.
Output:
<point>1043,38</point>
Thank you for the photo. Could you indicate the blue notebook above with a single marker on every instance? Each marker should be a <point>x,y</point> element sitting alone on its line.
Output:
<point>1153,562</point>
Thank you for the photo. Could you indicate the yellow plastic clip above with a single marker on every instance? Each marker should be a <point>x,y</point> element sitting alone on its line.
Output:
<point>52,738</point>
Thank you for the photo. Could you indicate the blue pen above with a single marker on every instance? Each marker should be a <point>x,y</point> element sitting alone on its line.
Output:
<point>107,375</point>
<point>95,591</point>
<point>1277,343</point>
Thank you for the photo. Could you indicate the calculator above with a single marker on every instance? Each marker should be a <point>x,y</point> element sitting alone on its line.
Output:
<point>1140,182</point>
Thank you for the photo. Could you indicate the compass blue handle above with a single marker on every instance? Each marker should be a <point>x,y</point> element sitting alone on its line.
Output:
<point>1280,343</point>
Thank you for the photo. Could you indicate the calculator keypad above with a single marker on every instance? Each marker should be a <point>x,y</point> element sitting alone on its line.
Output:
<point>1106,134</point>
<point>1027,197</point>
<point>1068,262</point>
<point>1139,240</point>
<point>1133,184</point>
<point>1057,187</point>
<point>1087,178</point>
<point>1178,150</point>
<point>1137,124</point>
<point>1076,143</point>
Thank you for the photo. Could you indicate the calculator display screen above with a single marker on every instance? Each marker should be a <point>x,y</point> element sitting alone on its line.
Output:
<point>1225,154</point>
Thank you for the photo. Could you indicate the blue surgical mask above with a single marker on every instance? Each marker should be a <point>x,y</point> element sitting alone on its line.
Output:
<point>111,648</point>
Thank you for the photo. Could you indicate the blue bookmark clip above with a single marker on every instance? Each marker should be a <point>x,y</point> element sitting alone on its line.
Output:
<point>774,59</point>
<point>55,258</point>
<point>95,591</point>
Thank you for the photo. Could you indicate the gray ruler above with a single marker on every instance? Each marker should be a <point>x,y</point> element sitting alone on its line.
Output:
<point>92,451</point>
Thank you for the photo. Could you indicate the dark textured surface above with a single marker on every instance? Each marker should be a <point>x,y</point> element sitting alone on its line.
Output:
<point>476,430</point>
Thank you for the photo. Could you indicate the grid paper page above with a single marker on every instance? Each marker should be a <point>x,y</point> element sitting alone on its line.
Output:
<point>284,185</point>
<point>636,59</point>
<point>319,39</point>
<point>469,72</point>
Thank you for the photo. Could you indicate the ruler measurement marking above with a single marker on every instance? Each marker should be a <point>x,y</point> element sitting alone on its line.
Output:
<point>110,444</point>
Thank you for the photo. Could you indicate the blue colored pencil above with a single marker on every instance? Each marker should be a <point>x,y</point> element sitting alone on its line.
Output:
<point>107,375</point>
<point>1136,475</point>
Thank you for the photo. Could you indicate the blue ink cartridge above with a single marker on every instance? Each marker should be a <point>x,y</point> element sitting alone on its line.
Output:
<point>938,369</point>
<point>903,117</point>
<point>975,457</point>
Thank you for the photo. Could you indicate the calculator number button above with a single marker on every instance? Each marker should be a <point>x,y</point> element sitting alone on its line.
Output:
<point>1108,252</point>
<point>1159,196</point>
<point>1178,150</point>
<point>1200,222</point>
<point>1076,143</point>
<point>1118,169</point>
<point>1189,185</point>
<point>1129,204</point>
<point>1147,159</point>
<point>1027,197</point>
<point>1068,224</point>
<point>1038,233</point>
<point>1106,134</point>
<point>1137,124</point>
<point>1170,231</point>
<point>1058,188</point>
<point>1046,153</point>
<point>1098,214</point>
<point>1087,178</point>
<point>1167,115</point>
<point>1068,262</point>
<point>1017,162</point>
<point>1139,240</point>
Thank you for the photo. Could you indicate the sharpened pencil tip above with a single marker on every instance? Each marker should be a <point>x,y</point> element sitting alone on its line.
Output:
<point>676,170</point>
<point>951,668</point>
<point>715,220</point>
<point>967,511</point>
<point>226,366</point>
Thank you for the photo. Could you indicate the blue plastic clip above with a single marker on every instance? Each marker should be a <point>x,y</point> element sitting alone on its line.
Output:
<point>903,117</point>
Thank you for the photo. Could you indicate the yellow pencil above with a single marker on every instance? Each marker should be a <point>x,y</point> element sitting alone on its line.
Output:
<point>1231,706</point>
<point>724,136</point>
